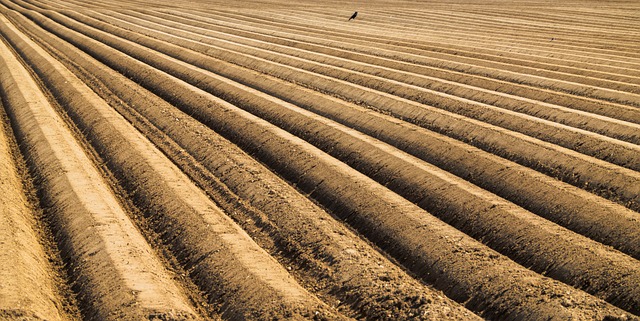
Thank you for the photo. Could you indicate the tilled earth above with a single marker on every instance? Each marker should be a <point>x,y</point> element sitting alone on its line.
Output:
<point>268,160</point>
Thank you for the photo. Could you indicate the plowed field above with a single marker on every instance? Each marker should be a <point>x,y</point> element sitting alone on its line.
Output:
<point>269,160</point>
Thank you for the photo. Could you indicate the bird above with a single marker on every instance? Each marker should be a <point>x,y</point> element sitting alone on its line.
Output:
<point>353,16</point>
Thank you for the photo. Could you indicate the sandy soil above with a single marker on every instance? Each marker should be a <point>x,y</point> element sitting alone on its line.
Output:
<point>201,160</point>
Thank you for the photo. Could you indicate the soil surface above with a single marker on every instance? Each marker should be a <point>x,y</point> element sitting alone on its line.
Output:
<point>258,160</point>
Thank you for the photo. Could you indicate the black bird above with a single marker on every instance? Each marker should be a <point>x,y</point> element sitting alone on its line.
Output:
<point>353,16</point>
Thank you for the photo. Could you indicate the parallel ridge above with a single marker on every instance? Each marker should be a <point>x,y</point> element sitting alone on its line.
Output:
<point>494,154</point>
<point>117,271</point>
<point>28,289</point>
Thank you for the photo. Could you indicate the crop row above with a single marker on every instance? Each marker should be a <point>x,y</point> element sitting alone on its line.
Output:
<point>318,159</point>
<point>527,152</point>
<point>221,265</point>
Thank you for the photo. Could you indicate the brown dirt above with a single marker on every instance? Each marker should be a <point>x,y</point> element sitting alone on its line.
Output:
<point>288,165</point>
<point>116,269</point>
<point>28,287</point>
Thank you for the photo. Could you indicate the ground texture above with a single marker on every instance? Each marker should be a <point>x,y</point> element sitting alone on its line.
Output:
<point>267,160</point>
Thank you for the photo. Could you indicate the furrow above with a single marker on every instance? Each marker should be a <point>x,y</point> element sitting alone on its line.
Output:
<point>401,174</point>
<point>602,70</point>
<point>252,160</point>
<point>414,87</point>
<point>227,264</point>
<point>621,112</point>
<point>306,165</point>
<point>116,272</point>
<point>480,21</point>
<point>410,55</point>
<point>348,269</point>
<point>448,24</point>
<point>375,126</point>
<point>415,47</point>
<point>595,223</point>
<point>492,173</point>
<point>300,164</point>
<point>520,40</point>
<point>442,25</point>
<point>530,151</point>
<point>28,289</point>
